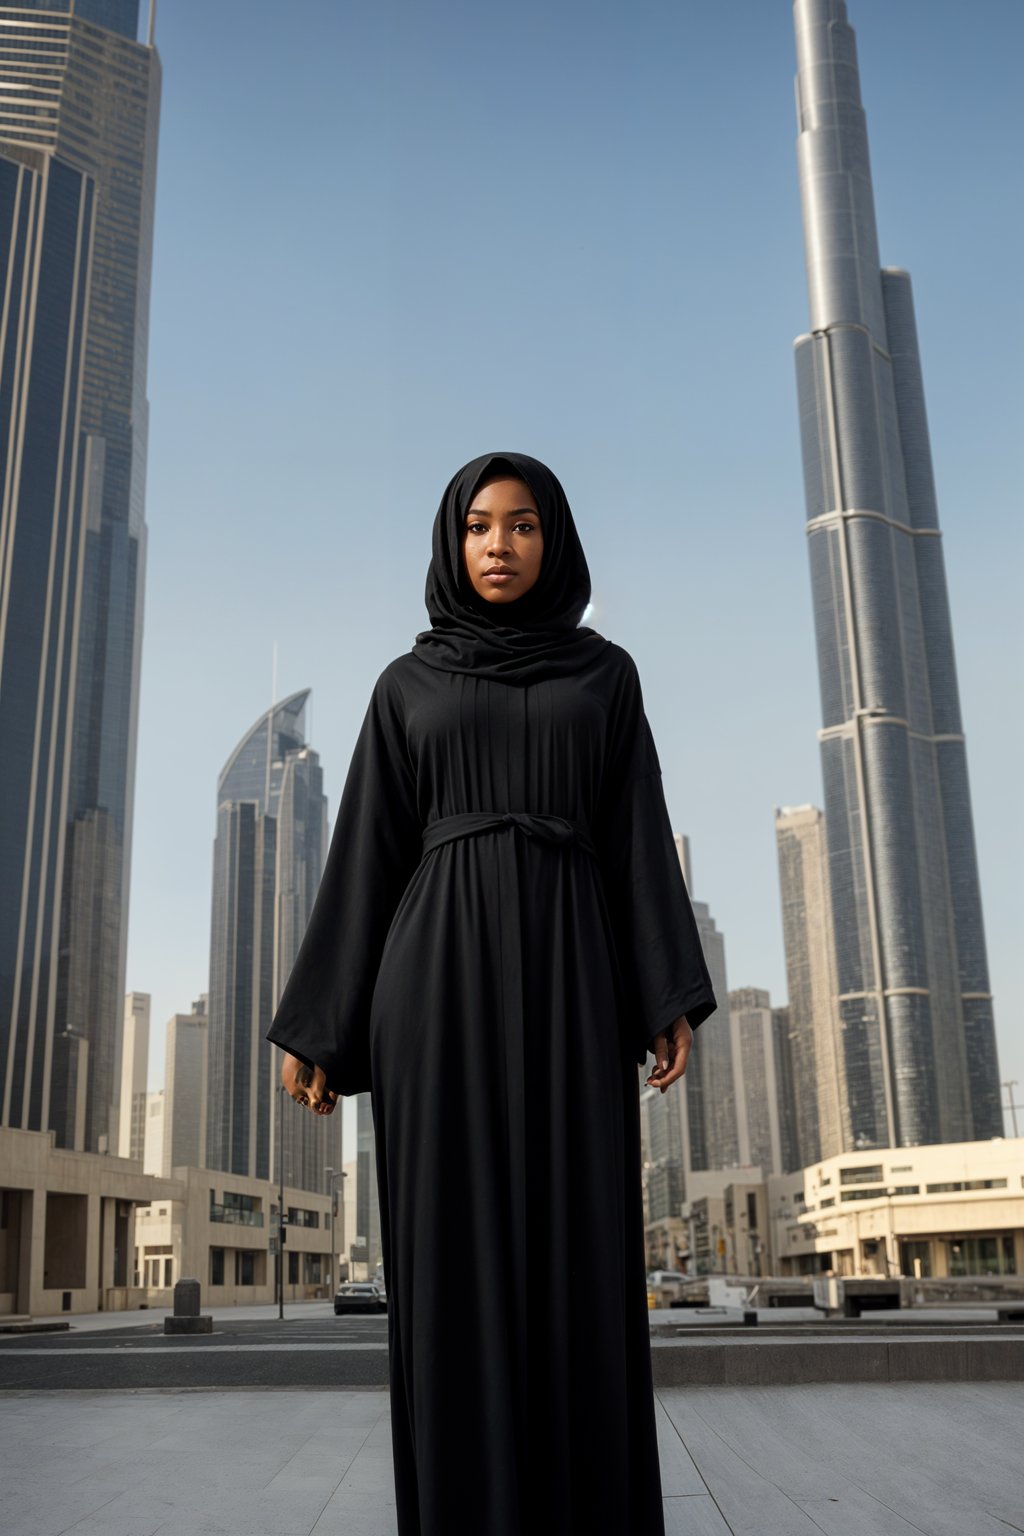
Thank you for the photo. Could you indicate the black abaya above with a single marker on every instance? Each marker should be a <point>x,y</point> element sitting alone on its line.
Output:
<point>494,978</point>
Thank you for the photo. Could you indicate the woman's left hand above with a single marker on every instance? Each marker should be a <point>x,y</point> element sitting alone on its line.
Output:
<point>671,1051</point>
<point>308,1088</point>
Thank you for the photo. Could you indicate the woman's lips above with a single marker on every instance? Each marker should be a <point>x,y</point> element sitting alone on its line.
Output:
<point>499,578</point>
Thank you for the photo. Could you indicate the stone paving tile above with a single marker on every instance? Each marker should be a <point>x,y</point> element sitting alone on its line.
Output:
<point>105,1524</point>
<point>357,1514</point>
<point>694,1515</point>
<point>678,1473</point>
<point>49,1513</point>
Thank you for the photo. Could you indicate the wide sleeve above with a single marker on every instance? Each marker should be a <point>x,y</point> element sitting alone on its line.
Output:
<point>323,1014</point>
<point>658,946</point>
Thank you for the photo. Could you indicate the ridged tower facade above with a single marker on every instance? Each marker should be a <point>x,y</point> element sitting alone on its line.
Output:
<point>916,1021</point>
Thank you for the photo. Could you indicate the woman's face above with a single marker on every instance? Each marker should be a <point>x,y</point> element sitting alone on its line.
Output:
<point>502,542</point>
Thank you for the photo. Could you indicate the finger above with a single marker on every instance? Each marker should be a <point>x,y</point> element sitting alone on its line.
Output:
<point>682,1056</point>
<point>662,1057</point>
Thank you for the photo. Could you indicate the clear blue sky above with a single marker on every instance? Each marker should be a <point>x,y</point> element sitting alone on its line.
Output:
<point>391,236</point>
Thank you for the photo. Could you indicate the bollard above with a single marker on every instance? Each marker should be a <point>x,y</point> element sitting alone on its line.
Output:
<point>187,1317</point>
<point>186,1298</point>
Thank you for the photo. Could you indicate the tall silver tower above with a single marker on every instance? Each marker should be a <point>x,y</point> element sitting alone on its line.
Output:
<point>915,1011</point>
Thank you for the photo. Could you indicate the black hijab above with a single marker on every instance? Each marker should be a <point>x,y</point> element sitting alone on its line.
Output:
<point>538,635</point>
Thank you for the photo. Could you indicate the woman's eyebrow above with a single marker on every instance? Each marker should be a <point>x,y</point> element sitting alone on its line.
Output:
<point>518,512</point>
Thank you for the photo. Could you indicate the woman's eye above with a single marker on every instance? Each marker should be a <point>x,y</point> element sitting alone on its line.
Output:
<point>529,527</point>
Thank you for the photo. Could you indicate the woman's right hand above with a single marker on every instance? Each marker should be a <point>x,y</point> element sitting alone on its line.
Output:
<point>306,1087</point>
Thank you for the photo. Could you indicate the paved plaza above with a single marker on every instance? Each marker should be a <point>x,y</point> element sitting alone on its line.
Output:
<point>110,1429</point>
<point>893,1460</point>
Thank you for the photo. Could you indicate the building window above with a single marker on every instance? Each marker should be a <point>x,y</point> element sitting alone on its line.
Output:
<point>982,1255</point>
<point>244,1267</point>
<point>872,1175</point>
<point>958,1184</point>
<point>242,1210</point>
<point>297,1217</point>
<point>293,1268</point>
<point>168,1271</point>
<point>862,1194</point>
<point>216,1266</point>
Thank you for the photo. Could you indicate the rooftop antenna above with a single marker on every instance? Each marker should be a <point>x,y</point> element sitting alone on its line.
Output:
<point>151,30</point>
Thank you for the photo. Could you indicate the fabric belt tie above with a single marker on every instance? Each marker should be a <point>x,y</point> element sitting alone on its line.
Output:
<point>549,829</point>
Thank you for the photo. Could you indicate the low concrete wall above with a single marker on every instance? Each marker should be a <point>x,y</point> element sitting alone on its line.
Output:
<point>773,1363</point>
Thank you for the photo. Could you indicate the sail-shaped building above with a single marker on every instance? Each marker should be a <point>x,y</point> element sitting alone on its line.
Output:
<point>268,857</point>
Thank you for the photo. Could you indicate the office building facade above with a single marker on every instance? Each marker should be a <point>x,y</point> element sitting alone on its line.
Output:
<point>816,1054</point>
<point>759,1130</point>
<point>914,1003</point>
<point>134,1077</point>
<point>79,108</point>
<point>184,1144</point>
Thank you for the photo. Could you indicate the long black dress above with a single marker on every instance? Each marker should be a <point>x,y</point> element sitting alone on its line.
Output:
<point>501,928</point>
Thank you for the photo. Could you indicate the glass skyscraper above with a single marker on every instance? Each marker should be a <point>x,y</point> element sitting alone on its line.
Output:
<point>815,1052</point>
<point>268,857</point>
<point>79,112</point>
<point>915,1011</point>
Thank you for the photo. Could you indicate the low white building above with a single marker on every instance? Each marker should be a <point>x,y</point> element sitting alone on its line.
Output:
<point>222,1230</point>
<point>953,1209</point>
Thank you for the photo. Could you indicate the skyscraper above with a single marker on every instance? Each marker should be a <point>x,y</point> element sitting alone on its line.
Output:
<point>786,1094</point>
<point>268,857</point>
<point>915,1009</point>
<point>79,108</point>
<point>134,1077</point>
<point>816,1056</point>
<point>757,1099</point>
<point>693,1125</point>
<point>184,1144</point>
<point>367,1202</point>
<point>714,1128</point>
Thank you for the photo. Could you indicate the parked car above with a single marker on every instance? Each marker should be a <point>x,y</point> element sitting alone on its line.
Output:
<point>359,1296</point>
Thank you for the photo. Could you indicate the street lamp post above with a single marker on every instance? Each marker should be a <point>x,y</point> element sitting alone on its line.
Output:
<point>333,1176</point>
<point>280,1214</point>
<point>344,1176</point>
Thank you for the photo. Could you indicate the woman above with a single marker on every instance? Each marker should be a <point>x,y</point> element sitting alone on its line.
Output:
<point>501,933</point>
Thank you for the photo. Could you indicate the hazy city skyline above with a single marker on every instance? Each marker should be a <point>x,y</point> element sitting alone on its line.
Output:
<point>656,161</point>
